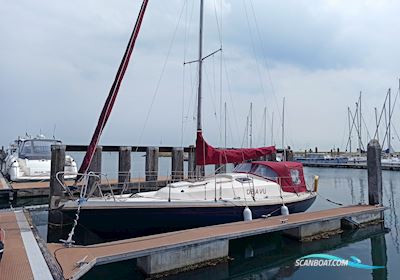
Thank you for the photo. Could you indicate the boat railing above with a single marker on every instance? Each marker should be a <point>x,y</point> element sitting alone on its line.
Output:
<point>89,184</point>
<point>100,185</point>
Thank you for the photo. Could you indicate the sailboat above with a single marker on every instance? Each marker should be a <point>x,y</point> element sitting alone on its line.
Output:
<point>251,190</point>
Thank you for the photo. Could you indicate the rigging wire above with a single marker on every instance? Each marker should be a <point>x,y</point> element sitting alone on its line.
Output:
<point>228,82</point>
<point>268,67</point>
<point>183,72</point>
<point>156,90</point>
<point>255,53</point>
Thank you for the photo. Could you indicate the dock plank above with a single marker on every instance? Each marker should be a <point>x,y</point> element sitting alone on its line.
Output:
<point>138,247</point>
<point>15,264</point>
<point>3,183</point>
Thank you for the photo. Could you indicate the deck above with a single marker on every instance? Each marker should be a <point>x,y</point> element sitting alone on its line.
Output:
<point>90,256</point>
<point>22,258</point>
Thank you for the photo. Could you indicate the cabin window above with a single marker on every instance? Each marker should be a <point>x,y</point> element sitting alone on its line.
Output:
<point>265,172</point>
<point>243,168</point>
<point>295,175</point>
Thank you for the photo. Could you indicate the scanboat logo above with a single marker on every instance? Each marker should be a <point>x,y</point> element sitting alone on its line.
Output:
<point>330,260</point>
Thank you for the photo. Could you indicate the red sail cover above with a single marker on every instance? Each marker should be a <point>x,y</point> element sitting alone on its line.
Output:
<point>207,154</point>
<point>108,105</point>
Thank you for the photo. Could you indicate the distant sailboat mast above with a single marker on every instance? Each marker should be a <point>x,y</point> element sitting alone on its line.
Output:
<point>283,129</point>
<point>251,125</point>
<point>265,126</point>
<point>376,124</point>
<point>348,117</point>
<point>390,121</point>
<point>360,145</point>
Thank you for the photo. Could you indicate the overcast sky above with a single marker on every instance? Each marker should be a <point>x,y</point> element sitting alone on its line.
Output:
<point>58,60</point>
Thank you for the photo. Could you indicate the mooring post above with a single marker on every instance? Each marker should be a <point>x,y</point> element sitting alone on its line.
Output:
<point>152,163</point>
<point>57,165</point>
<point>192,162</point>
<point>374,173</point>
<point>177,164</point>
<point>124,165</point>
<point>95,167</point>
<point>289,154</point>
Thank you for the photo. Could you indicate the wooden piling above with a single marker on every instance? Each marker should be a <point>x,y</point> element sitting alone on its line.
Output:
<point>289,154</point>
<point>374,173</point>
<point>177,164</point>
<point>271,157</point>
<point>192,162</point>
<point>57,165</point>
<point>124,165</point>
<point>152,163</point>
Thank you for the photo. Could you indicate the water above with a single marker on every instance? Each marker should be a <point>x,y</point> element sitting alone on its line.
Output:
<point>273,256</point>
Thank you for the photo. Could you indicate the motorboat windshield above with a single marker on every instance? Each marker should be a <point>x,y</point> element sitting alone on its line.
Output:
<point>36,149</point>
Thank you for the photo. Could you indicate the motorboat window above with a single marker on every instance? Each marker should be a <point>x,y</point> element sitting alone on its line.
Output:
<point>37,149</point>
<point>243,168</point>
<point>265,172</point>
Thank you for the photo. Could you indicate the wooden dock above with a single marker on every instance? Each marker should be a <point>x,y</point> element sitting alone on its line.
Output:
<point>22,258</point>
<point>77,260</point>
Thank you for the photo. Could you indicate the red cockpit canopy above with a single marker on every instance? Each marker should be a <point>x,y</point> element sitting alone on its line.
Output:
<point>288,174</point>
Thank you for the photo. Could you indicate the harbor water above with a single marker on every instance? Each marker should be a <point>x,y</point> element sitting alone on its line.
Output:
<point>273,256</point>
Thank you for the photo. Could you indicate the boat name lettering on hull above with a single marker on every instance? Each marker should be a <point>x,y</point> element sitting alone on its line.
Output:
<point>256,191</point>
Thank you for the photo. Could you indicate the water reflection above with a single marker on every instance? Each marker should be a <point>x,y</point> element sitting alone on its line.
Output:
<point>273,256</point>
<point>379,256</point>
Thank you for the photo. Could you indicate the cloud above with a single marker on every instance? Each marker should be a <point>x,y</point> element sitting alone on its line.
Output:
<point>58,60</point>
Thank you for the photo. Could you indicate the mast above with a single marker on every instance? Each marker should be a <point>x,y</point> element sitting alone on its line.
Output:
<point>265,126</point>
<point>356,116</point>
<point>251,125</point>
<point>247,131</point>
<point>283,127</point>
<point>199,127</point>
<point>359,125</point>
<point>112,95</point>
<point>390,119</point>
<point>348,116</point>
<point>376,124</point>
<point>272,129</point>
<point>225,123</point>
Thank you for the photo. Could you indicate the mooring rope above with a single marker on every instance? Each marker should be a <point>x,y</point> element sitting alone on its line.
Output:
<point>331,201</point>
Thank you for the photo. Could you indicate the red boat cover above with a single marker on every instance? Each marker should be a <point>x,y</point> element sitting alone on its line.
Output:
<point>207,154</point>
<point>290,174</point>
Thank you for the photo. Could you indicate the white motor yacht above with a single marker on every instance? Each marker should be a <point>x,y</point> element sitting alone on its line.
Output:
<point>29,159</point>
